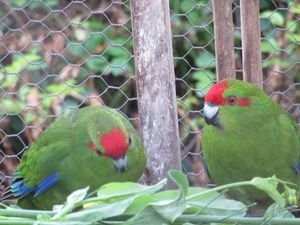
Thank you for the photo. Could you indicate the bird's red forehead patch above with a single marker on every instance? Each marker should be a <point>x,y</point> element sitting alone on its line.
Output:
<point>114,144</point>
<point>215,93</point>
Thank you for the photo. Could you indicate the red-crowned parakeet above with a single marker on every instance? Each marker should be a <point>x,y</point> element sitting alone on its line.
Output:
<point>90,147</point>
<point>248,135</point>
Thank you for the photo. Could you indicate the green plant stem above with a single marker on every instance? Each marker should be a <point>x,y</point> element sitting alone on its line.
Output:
<point>219,188</point>
<point>65,210</point>
<point>237,220</point>
<point>24,212</point>
<point>32,222</point>
<point>17,222</point>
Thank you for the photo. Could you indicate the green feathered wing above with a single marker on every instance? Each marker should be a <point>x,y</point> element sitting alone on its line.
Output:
<point>60,160</point>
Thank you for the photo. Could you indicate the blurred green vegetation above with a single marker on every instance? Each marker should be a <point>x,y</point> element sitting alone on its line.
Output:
<point>56,55</point>
<point>133,203</point>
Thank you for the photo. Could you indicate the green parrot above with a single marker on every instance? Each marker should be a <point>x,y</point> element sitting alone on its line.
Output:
<point>248,135</point>
<point>92,146</point>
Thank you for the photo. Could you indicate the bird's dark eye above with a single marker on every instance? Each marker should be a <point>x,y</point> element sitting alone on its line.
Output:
<point>231,100</point>
<point>129,140</point>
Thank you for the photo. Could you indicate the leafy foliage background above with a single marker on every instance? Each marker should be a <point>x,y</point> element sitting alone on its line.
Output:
<point>57,55</point>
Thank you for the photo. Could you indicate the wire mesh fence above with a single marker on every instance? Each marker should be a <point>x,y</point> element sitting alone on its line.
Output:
<point>57,55</point>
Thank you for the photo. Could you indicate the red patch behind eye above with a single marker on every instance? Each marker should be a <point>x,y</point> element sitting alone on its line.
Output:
<point>114,143</point>
<point>244,101</point>
<point>215,94</point>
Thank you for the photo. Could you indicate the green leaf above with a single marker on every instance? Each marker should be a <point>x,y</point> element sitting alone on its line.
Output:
<point>17,124</point>
<point>77,196</point>
<point>47,101</point>
<point>292,26</point>
<point>143,201</point>
<point>119,61</point>
<point>100,212</point>
<point>269,45</point>
<point>139,204</point>
<point>9,105</point>
<point>214,204</point>
<point>56,88</point>
<point>92,42</point>
<point>94,24</point>
<point>276,60</point>
<point>270,187</point>
<point>36,67</point>
<point>276,18</point>
<point>30,117</point>
<point>170,209</point>
<point>96,64</point>
<point>9,81</point>
<point>50,3</point>
<point>72,200</point>
<point>167,208</point>
<point>205,80</point>
<point>194,17</point>
<point>18,3</point>
<point>120,40</point>
<point>117,51</point>
<point>77,50</point>
<point>119,65</point>
<point>20,61</point>
<point>295,8</point>
<point>166,195</point>
<point>293,37</point>
<point>180,179</point>
<point>146,217</point>
<point>205,60</point>
<point>186,5</point>
<point>117,189</point>
<point>276,210</point>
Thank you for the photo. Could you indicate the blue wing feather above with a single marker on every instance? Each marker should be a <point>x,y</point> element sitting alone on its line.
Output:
<point>19,189</point>
<point>204,165</point>
<point>297,168</point>
<point>46,184</point>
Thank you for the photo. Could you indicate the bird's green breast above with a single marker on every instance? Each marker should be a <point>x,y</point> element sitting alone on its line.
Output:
<point>257,149</point>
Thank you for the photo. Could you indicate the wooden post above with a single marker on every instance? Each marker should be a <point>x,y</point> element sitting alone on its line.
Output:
<point>224,45</point>
<point>251,41</point>
<point>156,86</point>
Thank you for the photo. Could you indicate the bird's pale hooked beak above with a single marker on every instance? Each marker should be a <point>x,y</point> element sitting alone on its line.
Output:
<point>211,114</point>
<point>121,163</point>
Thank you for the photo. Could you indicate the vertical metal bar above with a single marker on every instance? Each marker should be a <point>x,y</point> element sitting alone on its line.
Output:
<point>224,45</point>
<point>251,41</point>
<point>156,86</point>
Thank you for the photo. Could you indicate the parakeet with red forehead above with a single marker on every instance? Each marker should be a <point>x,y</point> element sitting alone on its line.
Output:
<point>248,135</point>
<point>92,146</point>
